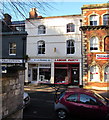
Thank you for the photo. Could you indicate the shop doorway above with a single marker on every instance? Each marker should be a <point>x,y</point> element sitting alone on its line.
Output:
<point>75,76</point>
<point>34,74</point>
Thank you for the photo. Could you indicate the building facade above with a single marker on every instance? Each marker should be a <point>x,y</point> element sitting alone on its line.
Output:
<point>13,43</point>
<point>95,32</point>
<point>54,49</point>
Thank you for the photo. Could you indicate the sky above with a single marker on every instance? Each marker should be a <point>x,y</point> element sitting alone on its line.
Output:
<point>56,8</point>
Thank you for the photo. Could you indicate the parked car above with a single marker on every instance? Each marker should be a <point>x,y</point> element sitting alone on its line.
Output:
<point>83,103</point>
<point>26,99</point>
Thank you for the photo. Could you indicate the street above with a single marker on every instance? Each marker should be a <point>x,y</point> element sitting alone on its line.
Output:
<point>41,106</point>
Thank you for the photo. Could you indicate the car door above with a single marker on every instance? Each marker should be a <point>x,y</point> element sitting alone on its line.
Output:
<point>89,106</point>
<point>71,102</point>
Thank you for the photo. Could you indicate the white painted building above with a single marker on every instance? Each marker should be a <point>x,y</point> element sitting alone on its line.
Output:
<point>54,49</point>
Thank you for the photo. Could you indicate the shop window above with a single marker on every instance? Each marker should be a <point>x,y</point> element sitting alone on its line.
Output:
<point>70,27</point>
<point>41,47</point>
<point>106,74</point>
<point>70,47</point>
<point>106,44</point>
<point>93,20</point>
<point>94,44</point>
<point>106,19</point>
<point>12,48</point>
<point>41,29</point>
<point>94,73</point>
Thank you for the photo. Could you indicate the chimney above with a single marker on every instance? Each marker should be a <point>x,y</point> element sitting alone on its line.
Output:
<point>33,13</point>
<point>7,18</point>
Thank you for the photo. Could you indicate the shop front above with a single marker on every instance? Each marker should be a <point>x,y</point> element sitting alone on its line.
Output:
<point>39,70</point>
<point>67,71</point>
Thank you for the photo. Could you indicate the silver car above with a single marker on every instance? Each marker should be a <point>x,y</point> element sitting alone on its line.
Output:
<point>26,99</point>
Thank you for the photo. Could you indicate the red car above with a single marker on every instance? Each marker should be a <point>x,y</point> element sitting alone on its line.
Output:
<point>83,103</point>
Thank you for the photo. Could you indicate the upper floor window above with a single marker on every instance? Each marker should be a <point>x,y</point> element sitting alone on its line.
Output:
<point>106,19</point>
<point>41,29</point>
<point>70,27</point>
<point>93,20</point>
<point>12,48</point>
<point>94,73</point>
<point>41,47</point>
<point>70,47</point>
<point>94,44</point>
<point>106,44</point>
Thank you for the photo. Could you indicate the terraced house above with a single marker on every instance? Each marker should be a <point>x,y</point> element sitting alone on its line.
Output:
<point>95,31</point>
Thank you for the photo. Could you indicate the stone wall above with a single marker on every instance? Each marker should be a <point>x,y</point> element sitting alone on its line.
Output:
<point>12,94</point>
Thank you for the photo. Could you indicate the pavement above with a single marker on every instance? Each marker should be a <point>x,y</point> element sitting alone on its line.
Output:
<point>53,88</point>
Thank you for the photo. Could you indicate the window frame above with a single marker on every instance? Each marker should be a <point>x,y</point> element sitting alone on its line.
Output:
<point>94,73</point>
<point>41,48</point>
<point>105,20</point>
<point>94,44</point>
<point>71,48</point>
<point>41,29</point>
<point>92,22</point>
<point>70,27</point>
<point>12,47</point>
<point>106,73</point>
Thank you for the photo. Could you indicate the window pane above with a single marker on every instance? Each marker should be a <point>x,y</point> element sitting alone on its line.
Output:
<point>70,47</point>
<point>12,48</point>
<point>93,20</point>
<point>85,99</point>
<point>41,29</point>
<point>70,27</point>
<point>73,98</point>
<point>106,19</point>
<point>41,47</point>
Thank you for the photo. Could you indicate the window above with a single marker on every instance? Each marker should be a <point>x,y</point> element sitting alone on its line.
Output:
<point>70,47</point>
<point>106,19</point>
<point>41,29</point>
<point>86,99</point>
<point>106,74</point>
<point>12,48</point>
<point>106,44</point>
<point>41,47</point>
<point>73,98</point>
<point>70,27</point>
<point>93,20</point>
<point>94,73</point>
<point>94,44</point>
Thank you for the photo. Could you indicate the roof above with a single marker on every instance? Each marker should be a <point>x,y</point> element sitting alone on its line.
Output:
<point>80,90</point>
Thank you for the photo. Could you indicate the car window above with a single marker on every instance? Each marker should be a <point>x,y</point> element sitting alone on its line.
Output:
<point>72,98</point>
<point>86,99</point>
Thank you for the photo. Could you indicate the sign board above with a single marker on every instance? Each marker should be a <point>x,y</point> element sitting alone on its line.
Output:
<point>102,56</point>
<point>11,61</point>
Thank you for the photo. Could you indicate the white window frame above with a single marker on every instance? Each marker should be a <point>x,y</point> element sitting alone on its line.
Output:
<point>12,47</point>
<point>70,27</point>
<point>70,47</point>
<point>94,74</point>
<point>93,19</point>
<point>41,29</point>
<point>41,47</point>
<point>94,44</point>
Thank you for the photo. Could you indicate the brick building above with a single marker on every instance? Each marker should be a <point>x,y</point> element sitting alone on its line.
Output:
<point>95,32</point>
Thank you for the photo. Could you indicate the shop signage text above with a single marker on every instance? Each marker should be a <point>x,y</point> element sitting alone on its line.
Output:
<point>39,60</point>
<point>10,61</point>
<point>67,60</point>
<point>102,56</point>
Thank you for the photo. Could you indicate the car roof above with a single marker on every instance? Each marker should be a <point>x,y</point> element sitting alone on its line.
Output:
<point>79,90</point>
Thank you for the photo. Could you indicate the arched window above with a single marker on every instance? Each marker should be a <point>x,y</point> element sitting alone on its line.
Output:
<point>94,73</point>
<point>106,74</point>
<point>94,44</point>
<point>41,47</point>
<point>70,27</point>
<point>41,29</point>
<point>70,47</point>
<point>106,44</point>
<point>106,19</point>
<point>93,20</point>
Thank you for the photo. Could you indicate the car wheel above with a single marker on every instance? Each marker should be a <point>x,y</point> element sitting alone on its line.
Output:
<point>62,114</point>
